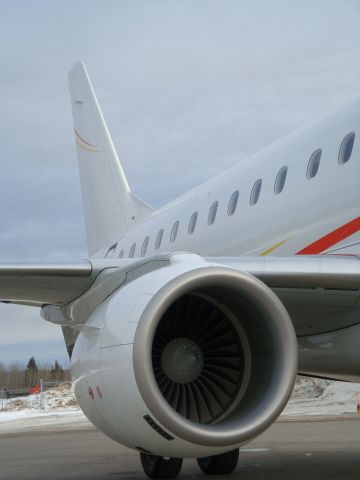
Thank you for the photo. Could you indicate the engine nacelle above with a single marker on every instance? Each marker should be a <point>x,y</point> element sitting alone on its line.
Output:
<point>189,360</point>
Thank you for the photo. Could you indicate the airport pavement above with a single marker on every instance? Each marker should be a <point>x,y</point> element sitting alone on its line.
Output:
<point>291,450</point>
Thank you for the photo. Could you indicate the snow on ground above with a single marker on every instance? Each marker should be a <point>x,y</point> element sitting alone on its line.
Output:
<point>57,408</point>
<point>59,397</point>
<point>313,396</point>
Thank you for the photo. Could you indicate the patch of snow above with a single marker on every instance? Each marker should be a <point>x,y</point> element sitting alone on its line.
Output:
<point>56,407</point>
<point>313,396</point>
<point>59,397</point>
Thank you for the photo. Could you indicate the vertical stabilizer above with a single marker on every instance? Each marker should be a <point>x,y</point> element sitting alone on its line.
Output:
<point>109,206</point>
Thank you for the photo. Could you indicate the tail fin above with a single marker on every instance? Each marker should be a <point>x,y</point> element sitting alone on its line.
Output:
<point>110,207</point>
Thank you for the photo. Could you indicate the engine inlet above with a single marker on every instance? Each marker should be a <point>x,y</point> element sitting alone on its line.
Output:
<point>198,359</point>
<point>214,355</point>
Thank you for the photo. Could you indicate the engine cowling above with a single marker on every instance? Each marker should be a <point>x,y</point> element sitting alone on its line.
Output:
<point>192,359</point>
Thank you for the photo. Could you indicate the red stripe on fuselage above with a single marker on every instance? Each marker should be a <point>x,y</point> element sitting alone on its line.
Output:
<point>331,238</point>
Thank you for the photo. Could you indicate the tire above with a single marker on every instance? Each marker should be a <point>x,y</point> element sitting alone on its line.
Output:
<point>160,467</point>
<point>219,464</point>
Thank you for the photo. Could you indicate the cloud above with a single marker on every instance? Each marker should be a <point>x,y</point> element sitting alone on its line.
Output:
<point>25,334</point>
<point>185,87</point>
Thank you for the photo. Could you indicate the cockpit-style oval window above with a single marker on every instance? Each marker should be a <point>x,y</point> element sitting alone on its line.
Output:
<point>174,231</point>
<point>212,212</point>
<point>144,246</point>
<point>346,148</point>
<point>314,163</point>
<point>255,192</point>
<point>233,203</point>
<point>192,223</point>
<point>159,237</point>
<point>121,254</point>
<point>132,250</point>
<point>280,180</point>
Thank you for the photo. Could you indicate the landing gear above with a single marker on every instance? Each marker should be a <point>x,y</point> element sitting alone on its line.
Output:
<point>160,467</point>
<point>219,464</point>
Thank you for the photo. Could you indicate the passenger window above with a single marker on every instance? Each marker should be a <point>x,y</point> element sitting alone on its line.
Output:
<point>144,246</point>
<point>132,250</point>
<point>346,148</point>
<point>192,223</point>
<point>174,231</point>
<point>280,180</point>
<point>313,165</point>
<point>159,237</point>
<point>121,254</point>
<point>212,213</point>
<point>255,192</point>
<point>233,203</point>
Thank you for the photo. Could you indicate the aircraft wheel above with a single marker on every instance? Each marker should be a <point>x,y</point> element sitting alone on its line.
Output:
<point>219,464</point>
<point>160,467</point>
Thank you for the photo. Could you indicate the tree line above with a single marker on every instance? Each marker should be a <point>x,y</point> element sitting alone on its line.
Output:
<point>16,376</point>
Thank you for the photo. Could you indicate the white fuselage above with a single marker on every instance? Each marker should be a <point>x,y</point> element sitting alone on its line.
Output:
<point>313,209</point>
<point>279,224</point>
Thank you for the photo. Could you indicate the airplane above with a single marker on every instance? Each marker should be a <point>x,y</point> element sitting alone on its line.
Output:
<point>187,324</point>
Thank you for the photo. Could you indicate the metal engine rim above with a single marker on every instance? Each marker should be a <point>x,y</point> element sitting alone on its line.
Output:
<point>215,434</point>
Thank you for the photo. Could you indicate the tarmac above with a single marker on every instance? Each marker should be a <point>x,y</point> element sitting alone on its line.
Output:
<point>306,448</point>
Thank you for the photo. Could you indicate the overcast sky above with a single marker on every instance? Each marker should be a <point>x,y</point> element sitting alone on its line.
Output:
<point>187,88</point>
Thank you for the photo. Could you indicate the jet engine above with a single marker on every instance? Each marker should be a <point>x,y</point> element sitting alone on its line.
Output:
<point>189,360</point>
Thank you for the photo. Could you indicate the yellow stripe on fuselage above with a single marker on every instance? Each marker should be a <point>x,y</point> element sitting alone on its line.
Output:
<point>271,249</point>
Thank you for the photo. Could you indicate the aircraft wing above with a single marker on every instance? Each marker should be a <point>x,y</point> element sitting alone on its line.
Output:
<point>300,271</point>
<point>39,284</point>
<point>43,283</point>
<point>321,293</point>
<point>318,291</point>
<point>60,283</point>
